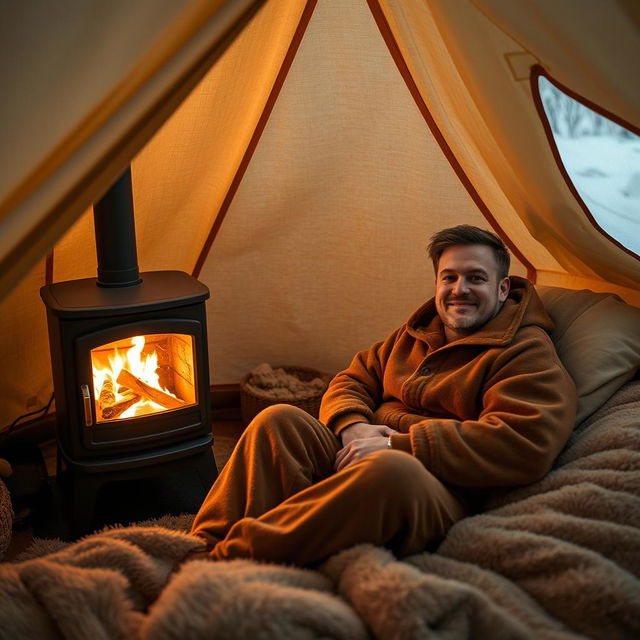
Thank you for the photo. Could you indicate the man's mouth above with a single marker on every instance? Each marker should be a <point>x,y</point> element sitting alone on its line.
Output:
<point>460,304</point>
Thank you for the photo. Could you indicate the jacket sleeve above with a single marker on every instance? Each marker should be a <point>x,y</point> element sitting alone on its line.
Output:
<point>354,394</point>
<point>529,408</point>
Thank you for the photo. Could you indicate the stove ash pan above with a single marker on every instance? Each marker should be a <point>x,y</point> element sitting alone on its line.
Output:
<point>130,366</point>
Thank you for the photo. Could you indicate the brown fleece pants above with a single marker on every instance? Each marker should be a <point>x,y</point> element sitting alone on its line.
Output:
<point>279,499</point>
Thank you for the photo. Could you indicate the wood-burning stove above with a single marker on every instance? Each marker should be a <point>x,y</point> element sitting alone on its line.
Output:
<point>130,369</point>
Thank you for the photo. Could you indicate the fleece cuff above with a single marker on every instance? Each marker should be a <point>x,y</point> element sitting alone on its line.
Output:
<point>401,441</point>
<point>346,420</point>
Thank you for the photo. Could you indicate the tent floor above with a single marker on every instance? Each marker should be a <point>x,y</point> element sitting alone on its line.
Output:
<point>120,502</point>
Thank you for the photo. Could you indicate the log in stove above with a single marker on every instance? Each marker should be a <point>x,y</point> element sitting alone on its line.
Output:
<point>130,368</point>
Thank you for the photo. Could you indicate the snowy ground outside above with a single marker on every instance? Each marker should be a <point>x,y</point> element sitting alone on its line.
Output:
<point>606,173</point>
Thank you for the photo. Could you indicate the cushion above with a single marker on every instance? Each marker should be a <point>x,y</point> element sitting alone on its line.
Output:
<point>597,337</point>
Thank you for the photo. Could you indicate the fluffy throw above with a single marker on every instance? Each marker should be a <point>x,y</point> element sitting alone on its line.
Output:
<point>556,559</point>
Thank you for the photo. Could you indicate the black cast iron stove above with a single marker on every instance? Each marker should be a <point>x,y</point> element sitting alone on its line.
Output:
<point>130,367</point>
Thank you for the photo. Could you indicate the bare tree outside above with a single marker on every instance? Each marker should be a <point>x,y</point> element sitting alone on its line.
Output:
<point>568,117</point>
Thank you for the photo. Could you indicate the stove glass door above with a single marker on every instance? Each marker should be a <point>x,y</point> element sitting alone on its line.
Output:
<point>142,375</point>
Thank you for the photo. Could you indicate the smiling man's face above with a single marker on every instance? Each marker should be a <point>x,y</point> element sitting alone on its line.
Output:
<point>469,291</point>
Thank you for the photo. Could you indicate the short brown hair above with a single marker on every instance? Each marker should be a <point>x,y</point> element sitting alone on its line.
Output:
<point>467,234</point>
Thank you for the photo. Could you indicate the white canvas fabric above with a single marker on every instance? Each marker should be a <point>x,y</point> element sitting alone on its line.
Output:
<point>85,85</point>
<point>323,251</point>
<point>25,376</point>
<point>589,45</point>
<point>475,80</point>
<point>322,248</point>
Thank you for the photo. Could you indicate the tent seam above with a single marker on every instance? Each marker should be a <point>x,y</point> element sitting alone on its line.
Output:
<point>283,72</point>
<point>401,64</point>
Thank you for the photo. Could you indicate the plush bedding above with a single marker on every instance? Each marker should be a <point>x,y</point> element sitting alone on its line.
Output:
<point>556,559</point>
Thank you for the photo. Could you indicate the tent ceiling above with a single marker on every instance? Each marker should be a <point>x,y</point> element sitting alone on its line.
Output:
<point>85,85</point>
<point>605,74</point>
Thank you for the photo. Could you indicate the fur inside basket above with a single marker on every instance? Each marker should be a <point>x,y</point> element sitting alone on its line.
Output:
<point>264,386</point>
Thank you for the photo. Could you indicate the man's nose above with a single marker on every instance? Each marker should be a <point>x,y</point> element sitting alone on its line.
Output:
<point>460,287</point>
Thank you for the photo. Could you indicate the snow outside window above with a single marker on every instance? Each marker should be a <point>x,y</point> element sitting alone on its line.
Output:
<point>602,160</point>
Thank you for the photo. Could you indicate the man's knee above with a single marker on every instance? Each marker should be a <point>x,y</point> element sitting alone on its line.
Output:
<point>400,481</point>
<point>280,412</point>
<point>281,419</point>
<point>284,432</point>
<point>396,473</point>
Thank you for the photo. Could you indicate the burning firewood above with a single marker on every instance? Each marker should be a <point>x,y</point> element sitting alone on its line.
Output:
<point>107,397</point>
<point>127,379</point>
<point>118,408</point>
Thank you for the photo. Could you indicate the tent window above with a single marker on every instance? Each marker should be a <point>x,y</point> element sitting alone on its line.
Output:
<point>601,158</point>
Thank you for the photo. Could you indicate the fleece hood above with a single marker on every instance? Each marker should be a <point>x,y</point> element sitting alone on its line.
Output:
<point>492,409</point>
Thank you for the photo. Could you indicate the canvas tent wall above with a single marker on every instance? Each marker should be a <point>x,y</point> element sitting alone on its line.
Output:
<point>301,177</point>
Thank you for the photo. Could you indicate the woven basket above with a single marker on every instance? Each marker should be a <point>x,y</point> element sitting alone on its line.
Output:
<point>252,404</point>
<point>6,518</point>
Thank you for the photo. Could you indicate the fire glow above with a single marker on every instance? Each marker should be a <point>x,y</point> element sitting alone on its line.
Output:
<point>129,385</point>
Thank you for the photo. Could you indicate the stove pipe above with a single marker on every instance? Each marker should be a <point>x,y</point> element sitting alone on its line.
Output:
<point>116,235</point>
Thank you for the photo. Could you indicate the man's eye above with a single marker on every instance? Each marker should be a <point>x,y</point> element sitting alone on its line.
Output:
<point>477,278</point>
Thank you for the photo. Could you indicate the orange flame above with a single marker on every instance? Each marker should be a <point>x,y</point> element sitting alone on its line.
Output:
<point>143,366</point>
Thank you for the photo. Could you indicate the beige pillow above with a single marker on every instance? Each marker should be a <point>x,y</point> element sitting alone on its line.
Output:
<point>597,337</point>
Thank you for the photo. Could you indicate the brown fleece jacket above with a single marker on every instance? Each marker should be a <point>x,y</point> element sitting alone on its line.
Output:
<point>492,409</point>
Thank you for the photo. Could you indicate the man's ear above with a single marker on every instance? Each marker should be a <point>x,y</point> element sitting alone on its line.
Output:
<point>503,290</point>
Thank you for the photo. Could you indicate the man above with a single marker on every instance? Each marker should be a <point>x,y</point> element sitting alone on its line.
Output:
<point>467,395</point>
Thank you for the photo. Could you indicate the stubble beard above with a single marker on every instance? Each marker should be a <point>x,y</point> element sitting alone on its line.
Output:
<point>469,323</point>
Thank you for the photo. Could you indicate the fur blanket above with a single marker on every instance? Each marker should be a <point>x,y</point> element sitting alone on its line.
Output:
<point>557,559</point>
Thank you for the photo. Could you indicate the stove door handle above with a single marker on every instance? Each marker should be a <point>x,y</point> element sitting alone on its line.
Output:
<point>86,400</point>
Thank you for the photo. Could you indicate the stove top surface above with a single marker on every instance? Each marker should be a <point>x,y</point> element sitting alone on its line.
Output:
<point>158,289</point>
